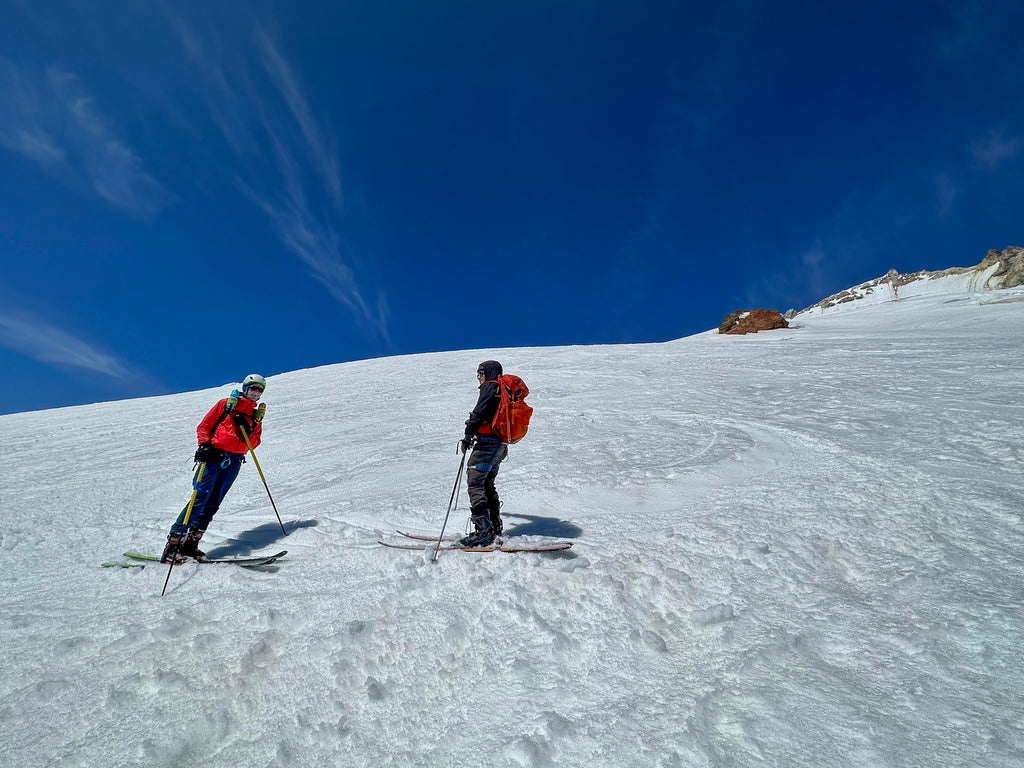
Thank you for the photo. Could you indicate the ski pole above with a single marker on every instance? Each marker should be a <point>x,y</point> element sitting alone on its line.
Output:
<point>455,493</point>
<point>258,469</point>
<point>188,514</point>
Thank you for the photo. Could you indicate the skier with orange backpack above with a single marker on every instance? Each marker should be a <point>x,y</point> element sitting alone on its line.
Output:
<point>500,417</point>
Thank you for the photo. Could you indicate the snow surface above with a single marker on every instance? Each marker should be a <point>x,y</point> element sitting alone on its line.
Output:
<point>799,548</point>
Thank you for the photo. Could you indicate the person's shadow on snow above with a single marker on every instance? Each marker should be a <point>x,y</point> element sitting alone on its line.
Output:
<point>252,541</point>
<point>542,526</point>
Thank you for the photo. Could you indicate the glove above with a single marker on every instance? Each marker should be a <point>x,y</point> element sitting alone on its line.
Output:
<point>207,453</point>
<point>466,443</point>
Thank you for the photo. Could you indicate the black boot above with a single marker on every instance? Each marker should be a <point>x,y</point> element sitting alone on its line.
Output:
<point>190,546</point>
<point>494,513</point>
<point>172,551</point>
<point>482,536</point>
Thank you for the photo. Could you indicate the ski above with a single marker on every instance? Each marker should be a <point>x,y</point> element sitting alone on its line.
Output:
<point>248,562</point>
<point>422,537</point>
<point>505,544</point>
<point>554,546</point>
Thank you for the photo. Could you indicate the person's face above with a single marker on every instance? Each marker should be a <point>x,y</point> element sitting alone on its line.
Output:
<point>254,392</point>
<point>479,377</point>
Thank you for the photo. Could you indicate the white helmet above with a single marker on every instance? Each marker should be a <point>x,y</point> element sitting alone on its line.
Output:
<point>254,378</point>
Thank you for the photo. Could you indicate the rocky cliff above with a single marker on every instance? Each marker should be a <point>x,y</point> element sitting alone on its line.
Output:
<point>999,269</point>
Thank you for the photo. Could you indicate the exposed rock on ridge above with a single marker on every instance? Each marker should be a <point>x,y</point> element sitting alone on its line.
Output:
<point>999,269</point>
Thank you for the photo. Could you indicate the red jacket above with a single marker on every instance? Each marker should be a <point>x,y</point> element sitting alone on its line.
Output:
<point>227,437</point>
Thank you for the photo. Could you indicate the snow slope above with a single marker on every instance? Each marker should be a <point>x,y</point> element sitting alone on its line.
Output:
<point>800,548</point>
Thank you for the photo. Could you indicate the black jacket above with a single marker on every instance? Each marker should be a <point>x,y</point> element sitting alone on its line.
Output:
<point>488,401</point>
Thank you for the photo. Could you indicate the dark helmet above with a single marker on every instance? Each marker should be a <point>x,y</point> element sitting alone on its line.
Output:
<point>491,369</point>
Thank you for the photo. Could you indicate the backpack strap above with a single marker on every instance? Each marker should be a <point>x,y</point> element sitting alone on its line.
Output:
<point>513,397</point>
<point>213,429</point>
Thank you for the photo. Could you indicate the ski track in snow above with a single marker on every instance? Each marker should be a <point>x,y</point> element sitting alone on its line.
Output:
<point>800,548</point>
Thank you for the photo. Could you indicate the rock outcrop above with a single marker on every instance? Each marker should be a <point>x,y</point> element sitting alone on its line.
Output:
<point>999,269</point>
<point>1010,272</point>
<point>752,321</point>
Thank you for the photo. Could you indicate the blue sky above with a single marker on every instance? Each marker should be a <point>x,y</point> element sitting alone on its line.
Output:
<point>190,192</point>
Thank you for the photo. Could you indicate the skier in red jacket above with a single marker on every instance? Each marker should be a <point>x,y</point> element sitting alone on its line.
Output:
<point>221,451</point>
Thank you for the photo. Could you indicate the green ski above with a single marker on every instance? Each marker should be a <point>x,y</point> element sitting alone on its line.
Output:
<point>248,562</point>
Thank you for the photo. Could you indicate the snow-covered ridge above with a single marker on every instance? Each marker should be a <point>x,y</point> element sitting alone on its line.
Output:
<point>999,269</point>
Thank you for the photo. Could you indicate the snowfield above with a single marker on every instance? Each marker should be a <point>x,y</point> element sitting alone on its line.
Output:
<point>797,548</point>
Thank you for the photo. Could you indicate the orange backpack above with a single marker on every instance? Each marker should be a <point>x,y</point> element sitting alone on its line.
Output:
<point>512,418</point>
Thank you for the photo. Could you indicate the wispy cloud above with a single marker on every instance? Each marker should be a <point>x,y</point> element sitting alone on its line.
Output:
<point>225,96</point>
<point>324,157</point>
<point>42,341</point>
<point>300,189</point>
<point>966,32</point>
<point>847,247</point>
<point>807,280</point>
<point>49,117</point>
<point>994,149</point>
<point>314,242</point>
<point>946,193</point>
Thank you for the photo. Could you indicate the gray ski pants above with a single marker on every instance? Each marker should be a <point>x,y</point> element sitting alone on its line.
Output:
<point>487,455</point>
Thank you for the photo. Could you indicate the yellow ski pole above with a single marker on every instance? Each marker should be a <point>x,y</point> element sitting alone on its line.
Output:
<point>188,514</point>
<point>264,479</point>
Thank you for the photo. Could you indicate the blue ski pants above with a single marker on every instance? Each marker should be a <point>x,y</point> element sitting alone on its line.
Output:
<point>212,482</point>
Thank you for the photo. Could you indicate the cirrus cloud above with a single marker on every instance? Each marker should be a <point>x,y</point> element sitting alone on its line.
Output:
<point>49,117</point>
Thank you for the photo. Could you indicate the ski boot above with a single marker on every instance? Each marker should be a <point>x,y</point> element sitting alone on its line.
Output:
<point>190,546</point>
<point>484,534</point>
<point>494,512</point>
<point>172,551</point>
